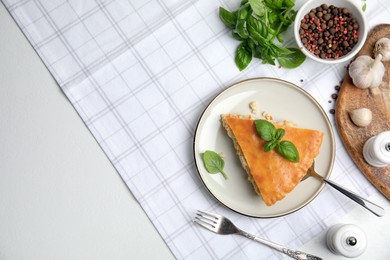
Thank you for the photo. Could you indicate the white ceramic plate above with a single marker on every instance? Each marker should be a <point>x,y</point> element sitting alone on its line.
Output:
<point>283,100</point>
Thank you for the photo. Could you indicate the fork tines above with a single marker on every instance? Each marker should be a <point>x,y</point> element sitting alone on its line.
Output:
<point>207,214</point>
<point>206,219</point>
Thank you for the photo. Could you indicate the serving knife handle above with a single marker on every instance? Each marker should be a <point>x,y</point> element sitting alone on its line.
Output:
<point>374,208</point>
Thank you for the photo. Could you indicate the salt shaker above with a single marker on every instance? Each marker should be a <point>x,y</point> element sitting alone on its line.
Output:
<point>347,240</point>
<point>376,150</point>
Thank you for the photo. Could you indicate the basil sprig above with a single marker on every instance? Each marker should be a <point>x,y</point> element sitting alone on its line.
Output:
<point>272,136</point>
<point>214,163</point>
<point>256,24</point>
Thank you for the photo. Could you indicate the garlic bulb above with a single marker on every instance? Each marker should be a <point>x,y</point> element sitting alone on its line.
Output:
<point>382,46</point>
<point>367,72</point>
<point>361,117</point>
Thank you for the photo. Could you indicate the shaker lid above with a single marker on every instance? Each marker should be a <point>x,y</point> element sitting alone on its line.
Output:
<point>350,241</point>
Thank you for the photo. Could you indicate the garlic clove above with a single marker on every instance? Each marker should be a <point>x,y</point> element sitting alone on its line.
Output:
<point>361,117</point>
<point>382,46</point>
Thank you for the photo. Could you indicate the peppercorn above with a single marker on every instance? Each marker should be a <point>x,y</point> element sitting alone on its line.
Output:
<point>327,17</point>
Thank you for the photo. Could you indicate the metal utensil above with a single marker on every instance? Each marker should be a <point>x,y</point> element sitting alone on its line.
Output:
<point>374,208</point>
<point>221,225</point>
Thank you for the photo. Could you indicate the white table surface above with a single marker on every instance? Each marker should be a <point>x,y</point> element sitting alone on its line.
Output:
<point>60,198</point>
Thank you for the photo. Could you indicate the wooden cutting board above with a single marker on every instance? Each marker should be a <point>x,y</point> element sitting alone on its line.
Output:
<point>378,101</point>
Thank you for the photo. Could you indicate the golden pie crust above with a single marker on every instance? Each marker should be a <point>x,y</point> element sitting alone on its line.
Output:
<point>272,175</point>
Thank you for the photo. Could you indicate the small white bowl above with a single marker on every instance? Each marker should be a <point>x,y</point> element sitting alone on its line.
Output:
<point>353,9</point>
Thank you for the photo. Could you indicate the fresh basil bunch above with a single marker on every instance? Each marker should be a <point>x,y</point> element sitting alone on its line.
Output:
<point>256,24</point>
<point>272,136</point>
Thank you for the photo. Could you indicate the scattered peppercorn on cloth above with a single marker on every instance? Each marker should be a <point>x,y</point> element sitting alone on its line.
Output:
<point>140,73</point>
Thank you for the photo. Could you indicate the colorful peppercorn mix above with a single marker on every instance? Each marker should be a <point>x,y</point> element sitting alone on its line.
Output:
<point>329,32</point>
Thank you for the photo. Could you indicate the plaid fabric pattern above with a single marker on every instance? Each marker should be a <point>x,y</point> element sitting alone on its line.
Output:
<point>140,73</point>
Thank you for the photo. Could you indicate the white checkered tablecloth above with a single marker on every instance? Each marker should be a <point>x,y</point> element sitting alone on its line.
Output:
<point>140,73</point>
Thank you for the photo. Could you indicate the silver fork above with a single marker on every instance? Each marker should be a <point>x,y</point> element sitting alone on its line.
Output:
<point>222,225</point>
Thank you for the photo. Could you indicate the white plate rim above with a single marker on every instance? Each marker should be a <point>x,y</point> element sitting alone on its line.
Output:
<point>307,95</point>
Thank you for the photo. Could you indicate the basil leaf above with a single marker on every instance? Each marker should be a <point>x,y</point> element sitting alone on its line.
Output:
<point>257,29</point>
<point>213,163</point>
<point>228,18</point>
<point>258,7</point>
<point>243,2</point>
<point>289,18</point>
<point>251,45</point>
<point>289,3</point>
<point>243,56</point>
<point>241,29</point>
<point>280,4</point>
<point>288,150</point>
<point>280,38</point>
<point>276,4</point>
<point>273,50</point>
<point>282,50</point>
<point>273,20</point>
<point>267,55</point>
<point>265,129</point>
<point>279,134</point>
<point>285,19</point>
<point>257,53</point>
<point>237,37</point>
<point>243,12</point>
<point>292,60</point>
<point>270,145</point>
